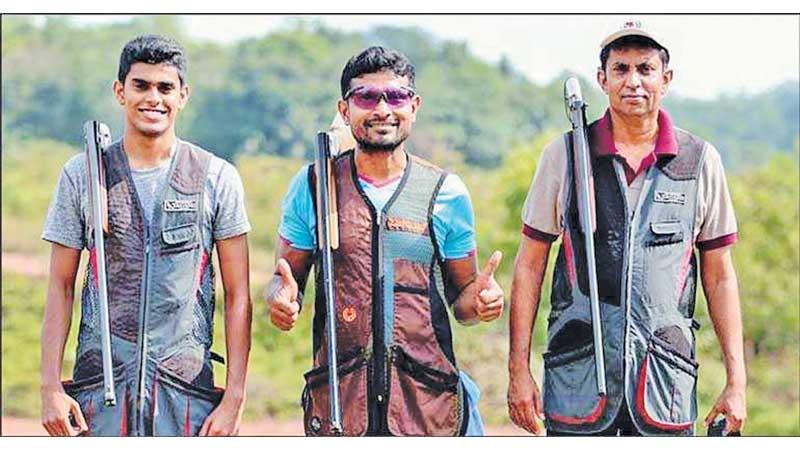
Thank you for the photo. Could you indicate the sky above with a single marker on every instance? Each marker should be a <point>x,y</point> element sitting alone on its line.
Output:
<point>710,54</point>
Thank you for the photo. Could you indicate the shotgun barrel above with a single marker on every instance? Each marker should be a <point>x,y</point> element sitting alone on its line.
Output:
<point>97,137</point>
<point>584,188</point>
<point>327,241</point>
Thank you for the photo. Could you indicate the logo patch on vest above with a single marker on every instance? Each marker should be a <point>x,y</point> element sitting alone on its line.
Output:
<point>670,197</point>
<point>180,205</point>
<point>397,224</point>
<point>349,314</point>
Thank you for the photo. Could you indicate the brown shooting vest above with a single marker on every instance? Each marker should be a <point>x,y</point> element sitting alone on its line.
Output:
<point>397,370</point>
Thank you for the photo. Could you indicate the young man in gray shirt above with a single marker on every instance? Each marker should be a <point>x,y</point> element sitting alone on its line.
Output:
<point>160,279</point>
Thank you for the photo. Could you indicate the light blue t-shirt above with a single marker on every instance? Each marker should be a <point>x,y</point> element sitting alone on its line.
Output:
<point>453,220</point>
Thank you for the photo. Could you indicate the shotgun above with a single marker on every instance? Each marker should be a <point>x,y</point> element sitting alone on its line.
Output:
<point>584,187</point>
<point>97,137</point>
<point>327,241</point>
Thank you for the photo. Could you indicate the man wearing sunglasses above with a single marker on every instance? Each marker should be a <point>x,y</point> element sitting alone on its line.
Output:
<point>660,192</point>
<point>406,253</point>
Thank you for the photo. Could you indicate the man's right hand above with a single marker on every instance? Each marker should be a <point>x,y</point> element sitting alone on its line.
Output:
<point>281,297</point>
<point>57,407</point>
<point>525,402</point>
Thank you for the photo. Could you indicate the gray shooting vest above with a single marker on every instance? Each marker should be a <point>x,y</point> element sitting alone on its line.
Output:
<point>161,306</point>
<point>397,369</point>
<point>647,274</point>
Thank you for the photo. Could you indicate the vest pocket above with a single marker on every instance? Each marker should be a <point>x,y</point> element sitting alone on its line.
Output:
<point>100,419</point>
<point>665,233</point>
<point>570,386</point>
<point>423,401</point>
<point>666,387</point>
<point>179,408</point>
<point>315,400</point>
<point>179,238</point>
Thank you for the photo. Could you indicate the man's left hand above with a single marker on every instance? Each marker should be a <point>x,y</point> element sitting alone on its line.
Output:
<point>489,304</point>
<point>732,404</point>
<point>224,420</point>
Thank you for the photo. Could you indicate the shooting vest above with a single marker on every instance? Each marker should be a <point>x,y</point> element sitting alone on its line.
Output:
<point>646,275</point>
<point>161,306</point>
<point>397,370</point>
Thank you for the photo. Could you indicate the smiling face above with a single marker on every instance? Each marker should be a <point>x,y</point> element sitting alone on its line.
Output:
<point>152,97</point>
<point>635,81</point>
<point>383,127</point>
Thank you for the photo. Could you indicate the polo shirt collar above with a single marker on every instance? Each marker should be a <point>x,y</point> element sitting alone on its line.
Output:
<point>603,138</point>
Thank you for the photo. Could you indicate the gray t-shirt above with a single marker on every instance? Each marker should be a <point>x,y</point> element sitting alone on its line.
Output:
<point>148,182</point>
<point>67,221</point>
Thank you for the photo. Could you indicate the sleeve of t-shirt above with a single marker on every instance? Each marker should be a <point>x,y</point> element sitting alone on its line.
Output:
<point>715,209</point>
<point>298,218</point>
<point>541,215</point>
<point>230,213</point>
<point>65,224</point>
<point>453,219</point>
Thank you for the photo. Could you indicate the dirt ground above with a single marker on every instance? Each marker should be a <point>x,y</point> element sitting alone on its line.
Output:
<point>14,426</point>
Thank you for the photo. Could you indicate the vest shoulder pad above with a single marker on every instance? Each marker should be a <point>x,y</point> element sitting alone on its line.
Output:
<point>190,168</point>
<point>425,164</point>
<point>686,164</point>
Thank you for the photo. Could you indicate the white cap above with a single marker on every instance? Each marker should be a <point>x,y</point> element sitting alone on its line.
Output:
<point>633,27</point>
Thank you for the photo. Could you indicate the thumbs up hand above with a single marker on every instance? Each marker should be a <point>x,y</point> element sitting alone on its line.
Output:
<point>489,304</point>
<point>281,296</point>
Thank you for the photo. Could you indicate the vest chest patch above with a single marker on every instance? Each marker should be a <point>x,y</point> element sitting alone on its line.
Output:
<point>398,224</point>
<point>669,197</point>
<point>349,314</point>
<point>180,205</point>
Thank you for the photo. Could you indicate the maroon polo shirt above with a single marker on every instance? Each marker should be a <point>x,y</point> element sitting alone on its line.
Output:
<point>666,143</point>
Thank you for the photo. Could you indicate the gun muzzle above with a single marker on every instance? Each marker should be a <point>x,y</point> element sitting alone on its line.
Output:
<point>572,89</point>
<point>572,94</point>
<point>104,135</point>
<point>573,101</point>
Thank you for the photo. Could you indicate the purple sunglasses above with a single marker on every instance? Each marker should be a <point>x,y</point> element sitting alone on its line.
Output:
<point>368,97</point>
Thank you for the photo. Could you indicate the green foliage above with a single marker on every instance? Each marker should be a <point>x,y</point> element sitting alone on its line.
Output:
<point>766,258</point>
<point>746,129</point>
<point>30,172</point>
<point>269,94</point>
<point>23,309</point>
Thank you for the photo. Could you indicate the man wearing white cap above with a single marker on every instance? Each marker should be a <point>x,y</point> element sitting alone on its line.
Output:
<point>660,193</point>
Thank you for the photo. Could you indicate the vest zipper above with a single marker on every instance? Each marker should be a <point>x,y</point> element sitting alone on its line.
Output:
<point>378,346</point>
<point>139,429</point>
<point>143,336</point>
<point>632,225</point>
<point>142,344</point>
<point>142,348</point>
<point>381,359</point>
<point>381,366</point>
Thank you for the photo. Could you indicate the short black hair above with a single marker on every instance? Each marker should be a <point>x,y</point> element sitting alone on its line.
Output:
<point>376,59</point>
<point>633,41</point>
<point>152,49</point>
